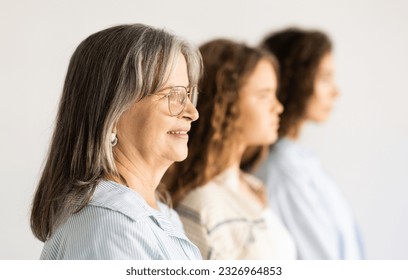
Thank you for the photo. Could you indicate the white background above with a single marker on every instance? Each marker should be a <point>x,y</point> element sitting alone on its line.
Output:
<point>364,145</point>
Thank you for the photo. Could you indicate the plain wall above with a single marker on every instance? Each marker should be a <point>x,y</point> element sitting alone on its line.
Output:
<point>364,145</point>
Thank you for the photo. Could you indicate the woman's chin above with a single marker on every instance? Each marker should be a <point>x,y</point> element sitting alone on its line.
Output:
<point>181,157</point>
<point>271,139</point>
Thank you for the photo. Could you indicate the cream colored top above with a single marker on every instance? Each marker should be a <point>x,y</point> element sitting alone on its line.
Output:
<point>225,223</point>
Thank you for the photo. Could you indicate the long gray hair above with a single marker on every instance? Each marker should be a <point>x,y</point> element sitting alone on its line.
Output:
<point>108,72</point>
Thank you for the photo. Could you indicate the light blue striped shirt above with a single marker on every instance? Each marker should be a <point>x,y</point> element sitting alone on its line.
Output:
<point>119,224</point>
<point>310,204</point>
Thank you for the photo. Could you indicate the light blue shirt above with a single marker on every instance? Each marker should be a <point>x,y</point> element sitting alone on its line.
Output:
<point>310,204</point>
<point>119,224</point>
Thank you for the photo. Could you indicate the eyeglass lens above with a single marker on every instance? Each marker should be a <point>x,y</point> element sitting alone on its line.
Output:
<point>178,98</point>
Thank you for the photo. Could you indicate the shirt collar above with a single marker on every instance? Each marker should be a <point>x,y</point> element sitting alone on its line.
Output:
<point>114,196</point>
<point>229,178</point>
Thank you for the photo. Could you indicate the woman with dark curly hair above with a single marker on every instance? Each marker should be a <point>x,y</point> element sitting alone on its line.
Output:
<point>306,198</point>
<point>223,209</point>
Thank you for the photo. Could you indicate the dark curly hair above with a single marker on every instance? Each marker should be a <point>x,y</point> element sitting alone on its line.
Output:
<point>215,136</point>
<point>299,53</point>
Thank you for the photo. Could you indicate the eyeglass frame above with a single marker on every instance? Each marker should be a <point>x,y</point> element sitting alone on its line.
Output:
<point>190,91</point>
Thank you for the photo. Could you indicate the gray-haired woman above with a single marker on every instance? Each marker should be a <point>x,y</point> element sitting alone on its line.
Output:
<point>127,106</point>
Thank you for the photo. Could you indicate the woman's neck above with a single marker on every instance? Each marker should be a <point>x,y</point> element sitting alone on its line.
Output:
<point>294,132</point>
<point>142,177</point>
<point>244,186</point>
<point>236,157</point>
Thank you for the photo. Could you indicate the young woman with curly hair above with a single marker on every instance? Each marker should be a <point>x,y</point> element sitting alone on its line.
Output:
<point>303,194</point>
<point>224,210</point>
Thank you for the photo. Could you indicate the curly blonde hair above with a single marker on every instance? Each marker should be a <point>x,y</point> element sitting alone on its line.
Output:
<point>215,136</point>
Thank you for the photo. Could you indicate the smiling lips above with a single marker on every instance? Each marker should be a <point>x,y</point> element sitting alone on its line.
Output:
<point>179,133</point>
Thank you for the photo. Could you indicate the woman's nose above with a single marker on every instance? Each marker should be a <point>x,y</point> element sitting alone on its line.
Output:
<point>190,111</point>
<point>277,106</point>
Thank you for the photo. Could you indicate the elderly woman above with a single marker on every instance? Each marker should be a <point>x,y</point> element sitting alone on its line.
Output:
<point>127,105</point>
<point>224,210</point>
<point>304,195</point>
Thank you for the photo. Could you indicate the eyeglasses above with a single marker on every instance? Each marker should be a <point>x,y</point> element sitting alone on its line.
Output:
<point>177,98</point>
